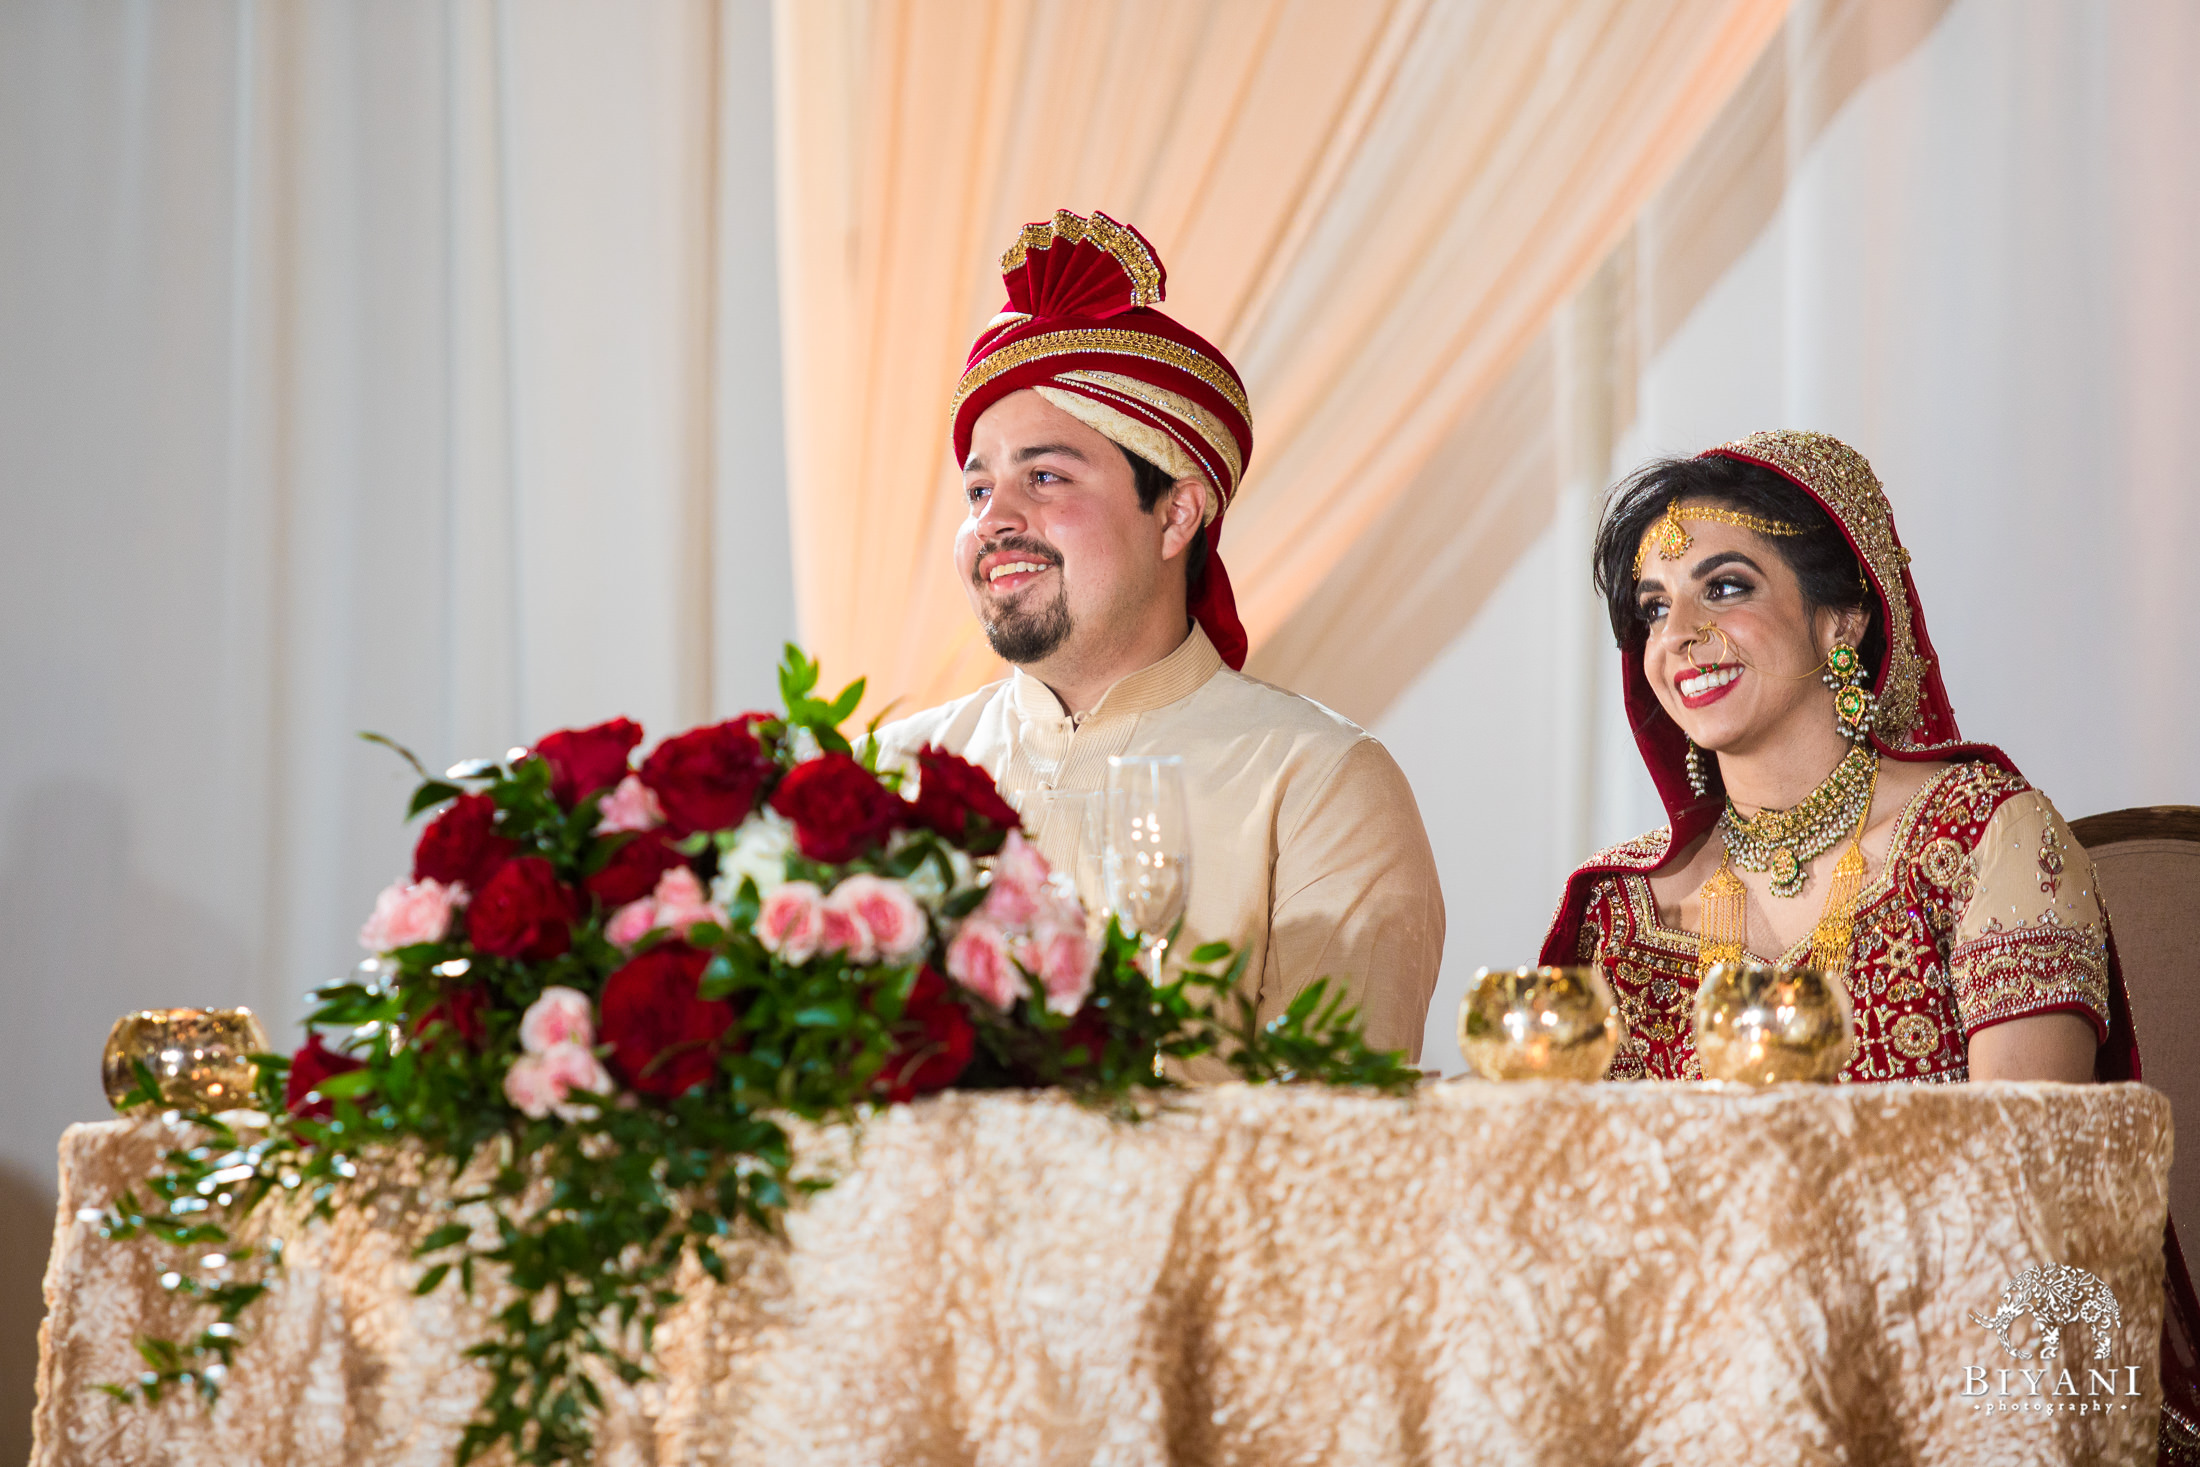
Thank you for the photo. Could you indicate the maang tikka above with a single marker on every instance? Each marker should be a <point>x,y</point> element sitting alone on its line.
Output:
<point>1853,704</point>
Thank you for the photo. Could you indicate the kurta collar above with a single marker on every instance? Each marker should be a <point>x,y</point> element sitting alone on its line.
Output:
<point>1175,677</point>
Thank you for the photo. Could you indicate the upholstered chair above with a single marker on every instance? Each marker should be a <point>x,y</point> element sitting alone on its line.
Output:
<point>2148,860</point>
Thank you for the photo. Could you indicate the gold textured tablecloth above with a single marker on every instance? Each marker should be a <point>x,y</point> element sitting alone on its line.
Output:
<point>1520,1273</point>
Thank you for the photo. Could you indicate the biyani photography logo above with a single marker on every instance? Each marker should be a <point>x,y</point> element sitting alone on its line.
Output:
<point>2058,1298</point>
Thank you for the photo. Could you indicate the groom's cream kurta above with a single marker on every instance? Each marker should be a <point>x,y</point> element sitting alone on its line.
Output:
<point>1307,848</point>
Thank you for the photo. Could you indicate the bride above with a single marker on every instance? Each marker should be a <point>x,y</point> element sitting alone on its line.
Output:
<point>1823,808</point>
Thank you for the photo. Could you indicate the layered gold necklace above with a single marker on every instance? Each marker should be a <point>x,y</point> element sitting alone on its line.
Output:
<point>1783,842</point>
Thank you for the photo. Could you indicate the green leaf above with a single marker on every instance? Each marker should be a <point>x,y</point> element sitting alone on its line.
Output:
<point>718,978</point>
<point>846,703</point>
<point>433,793</point>
<point>443,1237</point>
<point>432,1278</point>
<point>349,1085</point>
<point>402,752</point>
<point>144,1089</point>
<point>797,675</point>
<point>1209,952</point>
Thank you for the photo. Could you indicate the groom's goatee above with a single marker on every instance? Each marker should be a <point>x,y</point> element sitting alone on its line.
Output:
<point>1030,635</point>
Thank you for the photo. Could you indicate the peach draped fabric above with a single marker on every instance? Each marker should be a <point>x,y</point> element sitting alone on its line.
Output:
<point>1530,1272</point>
<point>1372,209</point>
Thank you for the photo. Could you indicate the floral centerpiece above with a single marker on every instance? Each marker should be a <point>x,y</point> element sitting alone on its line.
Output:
<point>616,981</point>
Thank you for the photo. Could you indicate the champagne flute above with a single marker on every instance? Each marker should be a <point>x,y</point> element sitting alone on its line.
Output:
<point>1147,858</point>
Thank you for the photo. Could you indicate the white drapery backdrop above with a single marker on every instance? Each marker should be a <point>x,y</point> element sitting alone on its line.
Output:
<point>409,365</point>
<point>1372,209</point>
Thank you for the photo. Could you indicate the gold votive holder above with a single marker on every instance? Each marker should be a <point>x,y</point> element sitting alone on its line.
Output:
<point>201,1058</point>
<point>1539,1024</point>
<point>1762,1025</point>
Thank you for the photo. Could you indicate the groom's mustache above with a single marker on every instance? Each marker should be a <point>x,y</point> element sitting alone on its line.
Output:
<point>1025,545</point>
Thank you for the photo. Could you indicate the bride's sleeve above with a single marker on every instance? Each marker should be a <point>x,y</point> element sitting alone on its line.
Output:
<point>2031,938</point>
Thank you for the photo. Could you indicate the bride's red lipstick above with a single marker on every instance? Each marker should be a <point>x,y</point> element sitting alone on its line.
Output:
<point>1711,695</point>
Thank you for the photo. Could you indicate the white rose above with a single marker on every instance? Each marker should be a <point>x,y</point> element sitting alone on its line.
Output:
<point>925,884</point>
<point>759,852</point>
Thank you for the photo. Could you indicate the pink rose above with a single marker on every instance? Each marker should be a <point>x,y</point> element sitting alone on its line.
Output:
<point>632,806</point>
<point>840,930</point>
<point>677,904</point>
<point>1063,957</point>
<point>979,960</point>
<point>404,915</point>
<point>542,1084</point>
<point>1058,908</point>
<point>1019,878</point>
<point>559,1016</point>
<point>792,921</point>
<point>631,923</point>
<point>681,902</point>
<point>889,915</point>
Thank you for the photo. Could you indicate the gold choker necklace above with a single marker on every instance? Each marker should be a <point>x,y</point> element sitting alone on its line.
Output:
<point>1784,842</point>
<point>1725,901</point>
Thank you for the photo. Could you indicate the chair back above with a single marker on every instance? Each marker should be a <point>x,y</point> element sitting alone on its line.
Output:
<point>2147,861</point>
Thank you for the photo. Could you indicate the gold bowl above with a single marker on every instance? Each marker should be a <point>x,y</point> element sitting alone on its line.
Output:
<point>200,1057</point>
<point>1763,1025</point>
<point>1539,1024</point>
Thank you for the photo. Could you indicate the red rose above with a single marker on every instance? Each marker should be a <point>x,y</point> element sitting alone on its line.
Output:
<point>524,912</point>
<point>308,1068</point>
<point>707,778</point>
<point>952,792</point>
<point>1089,1032</point>
<point>463,1011</point>
<point>585,760</point>
<point>664,1038</point>
<point>461,844</point>
<point>633,869</point>
<point>936,1041</point>
<point>838,807</point>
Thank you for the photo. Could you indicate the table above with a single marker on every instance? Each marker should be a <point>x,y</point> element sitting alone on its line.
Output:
<point>1532,1272</point>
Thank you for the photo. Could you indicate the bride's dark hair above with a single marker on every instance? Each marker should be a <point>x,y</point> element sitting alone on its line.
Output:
<point>1823,563</point>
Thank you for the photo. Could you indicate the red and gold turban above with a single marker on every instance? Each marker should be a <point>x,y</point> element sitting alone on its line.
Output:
<point>1080,329</point>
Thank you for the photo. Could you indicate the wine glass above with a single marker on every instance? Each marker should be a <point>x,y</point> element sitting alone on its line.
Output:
<point>1066,826</point>
<point>1146,860</point>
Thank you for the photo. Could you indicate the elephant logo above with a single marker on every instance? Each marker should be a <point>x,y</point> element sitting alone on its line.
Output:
<point>2056,1296</point>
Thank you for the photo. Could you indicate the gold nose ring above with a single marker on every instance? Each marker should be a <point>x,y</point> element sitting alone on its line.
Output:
<point>1704,633</point>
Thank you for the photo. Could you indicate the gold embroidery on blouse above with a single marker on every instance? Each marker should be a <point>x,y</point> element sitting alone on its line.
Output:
<point>2006,971</point>
<point>1915,998</point>
<point>1916,1035</point>
<point>2051,860</point>
<point>1943,862</point>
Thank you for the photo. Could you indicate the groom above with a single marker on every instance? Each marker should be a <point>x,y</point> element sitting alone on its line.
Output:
<point>1100,442</point>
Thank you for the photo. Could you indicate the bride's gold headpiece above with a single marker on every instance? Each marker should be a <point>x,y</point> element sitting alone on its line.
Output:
<point>1672,538</point>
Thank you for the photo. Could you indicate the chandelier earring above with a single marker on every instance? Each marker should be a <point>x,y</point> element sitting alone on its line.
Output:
<point>1854,705</point>
<point>1698,781</point>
